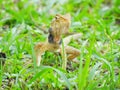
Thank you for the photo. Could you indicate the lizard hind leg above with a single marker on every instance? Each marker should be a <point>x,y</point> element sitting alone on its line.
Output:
<point>39,50</point>
<point>72,53</point>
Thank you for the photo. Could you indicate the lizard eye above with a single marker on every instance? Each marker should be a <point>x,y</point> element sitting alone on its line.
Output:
<point>56,17</point>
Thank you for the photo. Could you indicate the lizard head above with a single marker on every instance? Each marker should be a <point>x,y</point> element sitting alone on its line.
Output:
<point>60,25</point>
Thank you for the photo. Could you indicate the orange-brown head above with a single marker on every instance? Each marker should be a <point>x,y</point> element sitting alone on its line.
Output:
<point>60,25</point>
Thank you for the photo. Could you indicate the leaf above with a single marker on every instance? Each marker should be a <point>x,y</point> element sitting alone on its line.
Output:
<point>93,70</point>
<point>105,61</point>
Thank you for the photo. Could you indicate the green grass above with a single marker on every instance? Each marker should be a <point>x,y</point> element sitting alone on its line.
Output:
<point>22,25</point>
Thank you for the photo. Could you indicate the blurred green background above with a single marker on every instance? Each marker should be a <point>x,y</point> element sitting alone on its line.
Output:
<point>23,23</point>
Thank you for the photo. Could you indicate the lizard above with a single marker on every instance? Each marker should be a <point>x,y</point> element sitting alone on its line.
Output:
<point>60,25</point>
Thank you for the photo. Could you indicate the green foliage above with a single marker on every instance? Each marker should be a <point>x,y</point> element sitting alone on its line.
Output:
<point>23,23</point>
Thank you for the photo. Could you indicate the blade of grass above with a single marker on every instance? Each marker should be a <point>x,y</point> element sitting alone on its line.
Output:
<point>1,71</point>
<point>44,70</point>
<point>93,70</point>
<point>39,74</point>
<point>64,57</point>
<point>81,65</point>
<point>84,73</point>
<point>32,48</point>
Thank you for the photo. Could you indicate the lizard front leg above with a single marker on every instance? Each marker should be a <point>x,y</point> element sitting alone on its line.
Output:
<point>40,48</point>
<point>67,39</point>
